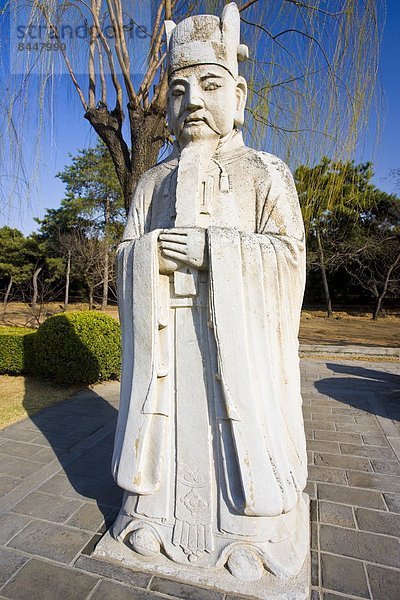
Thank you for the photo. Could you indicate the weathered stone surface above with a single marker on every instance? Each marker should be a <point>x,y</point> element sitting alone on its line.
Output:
<point>46,455</point>
<point>40,579</point>
<point>44,506</point>
<point>57,485</point>
<point>314,536</point>
<point>113,571</point>
<point>10,562</point>
<point>18,467</point>
<point>88,516</point>
<point>325,474</point>
<point>385,583</point>
<point>314,510</point>
<point>342,462</point>
<point>322,446</point>
<point>314,568</point>
<point>393,502</point>
<point>332,418</point>
<point>331,596</point>
<point>10,525</point>
<point>50,540</point>
<point>319,425</point>
<point>359,544</point>
<point>387,467</point>
<point>374,440</point>
<point>378,522</point>
<point>388,426</point>
<point>311,490</point>
<point>89,548</point>
<point>267,588</point>
<point>344,575</point>
<point>368,427</point>
<point>353,496</point>
<point>105,493</point>
<point>374,481</point>
<point>20,449</point>
<point>347,411</point>
<point>7,484</point>
<point>336,514</point>
<point>20,435</point>
<point>395,444</point>
<point>183,591</point>
<point>367,451</point>
<point>109,590</point>
<point>338,436</point>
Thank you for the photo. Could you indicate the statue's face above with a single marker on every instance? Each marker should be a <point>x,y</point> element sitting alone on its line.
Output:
<point>204,100</point>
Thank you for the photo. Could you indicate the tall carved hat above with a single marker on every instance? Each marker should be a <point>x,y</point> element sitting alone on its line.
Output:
<point>206,39</point>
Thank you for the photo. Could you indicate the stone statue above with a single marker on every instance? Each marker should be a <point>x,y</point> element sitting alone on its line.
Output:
<point>210,445</point>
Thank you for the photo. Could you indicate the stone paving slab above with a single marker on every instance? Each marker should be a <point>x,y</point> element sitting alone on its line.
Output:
<point>57,496</point>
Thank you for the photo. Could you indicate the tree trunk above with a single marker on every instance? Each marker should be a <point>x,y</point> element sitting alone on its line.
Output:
<point>380,297</point>
<point>8,290</point>
<point>67,277</point>
<point>90,290</point>
<point>148,134</point>
<point>108,126</point>
<point>377,307</point>
<point>323,275</point>
<point>35,288</point>
<point>106,269</point>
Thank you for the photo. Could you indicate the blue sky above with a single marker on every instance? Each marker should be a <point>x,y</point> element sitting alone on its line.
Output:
<point>70,131</point>
<point>388,149</point>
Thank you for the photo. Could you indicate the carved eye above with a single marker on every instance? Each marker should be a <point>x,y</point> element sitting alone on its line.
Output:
<point>211,85</point>
<point>178,90</point>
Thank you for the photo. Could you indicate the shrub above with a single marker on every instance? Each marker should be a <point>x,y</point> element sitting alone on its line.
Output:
<point>78,347</point>
<point>15,349</point>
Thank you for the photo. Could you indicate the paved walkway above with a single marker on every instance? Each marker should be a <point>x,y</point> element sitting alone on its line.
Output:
<point>57,495</point>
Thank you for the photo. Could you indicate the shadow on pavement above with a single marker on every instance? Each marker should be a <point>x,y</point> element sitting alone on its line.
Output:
<point>371,390</point>
<point>70,423</point>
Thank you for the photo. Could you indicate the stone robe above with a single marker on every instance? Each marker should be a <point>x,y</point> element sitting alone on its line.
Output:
<point>210,443</point>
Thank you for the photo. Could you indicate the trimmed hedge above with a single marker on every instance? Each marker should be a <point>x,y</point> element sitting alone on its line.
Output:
<point>78,347</point>
<point>16,349</point>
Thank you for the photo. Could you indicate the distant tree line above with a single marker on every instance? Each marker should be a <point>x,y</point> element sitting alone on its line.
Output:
<point>352,235</point>
<point>72,254</point>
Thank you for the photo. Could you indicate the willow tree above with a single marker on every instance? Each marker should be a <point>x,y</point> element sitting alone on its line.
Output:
<point>331,192</point>
<point>312,74</point>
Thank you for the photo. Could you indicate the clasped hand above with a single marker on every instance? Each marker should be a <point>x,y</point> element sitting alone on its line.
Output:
<point>183,245</point>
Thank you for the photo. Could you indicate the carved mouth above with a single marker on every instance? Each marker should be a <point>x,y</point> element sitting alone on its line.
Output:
<point>194,120</point>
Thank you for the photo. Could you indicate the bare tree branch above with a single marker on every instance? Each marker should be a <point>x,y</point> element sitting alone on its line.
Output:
<point>168,11</point>
<point>247,5</point>
<point>101,73</point>
<point>119,44</point>
<point>65,57</point>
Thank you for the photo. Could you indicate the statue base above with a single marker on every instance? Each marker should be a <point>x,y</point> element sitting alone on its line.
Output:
<point>269,587</point>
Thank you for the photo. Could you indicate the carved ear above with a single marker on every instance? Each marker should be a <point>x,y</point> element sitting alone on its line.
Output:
<point>241,97</point>
<point>169,27</point>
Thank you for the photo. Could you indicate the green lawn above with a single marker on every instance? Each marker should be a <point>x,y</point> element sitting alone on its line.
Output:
<point>21,397</point>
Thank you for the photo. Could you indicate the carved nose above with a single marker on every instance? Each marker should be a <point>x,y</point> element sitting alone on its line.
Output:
<point>194,101</point>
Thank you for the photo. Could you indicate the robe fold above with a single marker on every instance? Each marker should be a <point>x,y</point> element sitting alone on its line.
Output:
<point>253,294</point>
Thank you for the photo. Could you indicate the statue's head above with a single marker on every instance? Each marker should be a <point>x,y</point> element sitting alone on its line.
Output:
<point>206,95</point>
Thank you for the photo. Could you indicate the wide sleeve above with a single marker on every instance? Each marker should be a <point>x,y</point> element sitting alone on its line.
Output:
<point>256,290</point>
<point>139,418</point>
